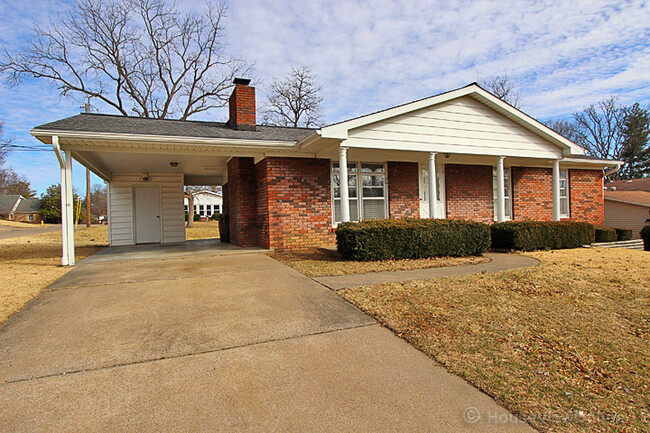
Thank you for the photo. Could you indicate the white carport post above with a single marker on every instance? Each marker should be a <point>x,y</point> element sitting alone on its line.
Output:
<point>501,199</point>
<point>556,190</point>
<point>67,228</point>
<point>343,184</point>
<point>433,193</point>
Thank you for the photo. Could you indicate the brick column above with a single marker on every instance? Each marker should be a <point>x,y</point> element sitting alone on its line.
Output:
<point>242,202</point>
<point>403,189</point>
<point>469,192</point>
<point>586,196</point>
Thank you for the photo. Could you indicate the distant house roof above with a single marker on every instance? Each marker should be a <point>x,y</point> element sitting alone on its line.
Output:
<point>26,205</point>
<point>109,123</point>
<point>7,202</point>
<point>630,185</point>
<point>640,198</point>
<point>29,205</point>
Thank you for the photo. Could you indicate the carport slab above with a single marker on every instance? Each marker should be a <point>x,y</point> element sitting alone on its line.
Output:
<point>362,379</point>
<point>252,299</point>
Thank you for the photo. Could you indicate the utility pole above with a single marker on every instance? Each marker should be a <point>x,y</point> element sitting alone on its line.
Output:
<point>87,109</point>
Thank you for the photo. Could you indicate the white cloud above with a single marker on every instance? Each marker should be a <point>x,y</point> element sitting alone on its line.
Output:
<point>369,55</point>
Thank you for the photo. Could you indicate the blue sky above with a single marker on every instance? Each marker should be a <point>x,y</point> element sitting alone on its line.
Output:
<point>369,55</point>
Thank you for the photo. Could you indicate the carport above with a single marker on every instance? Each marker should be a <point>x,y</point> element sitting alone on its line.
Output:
<point>146,164</point>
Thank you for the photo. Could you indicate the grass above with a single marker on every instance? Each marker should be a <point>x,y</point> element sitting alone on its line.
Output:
<point>203,230</point>
<point>19,224</point>
<point>565,345</point>
<point>320,262</point>
<point>29,263</point>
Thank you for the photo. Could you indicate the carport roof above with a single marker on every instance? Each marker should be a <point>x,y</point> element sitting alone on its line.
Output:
<point>108,123</point>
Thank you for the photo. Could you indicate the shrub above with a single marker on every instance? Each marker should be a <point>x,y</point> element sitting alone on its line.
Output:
<point>535,235</point>
<point>604,234</point>
<point>411,239</point>
<point>623,234</point>
<point>645,235</point>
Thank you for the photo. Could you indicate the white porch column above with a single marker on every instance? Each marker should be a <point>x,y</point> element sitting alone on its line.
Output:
<point>501,199</point>
<point>556,190</point>
<point>433,193</point>
<point>64,202</point>
<point>345,196</point>
<point>69,208</point>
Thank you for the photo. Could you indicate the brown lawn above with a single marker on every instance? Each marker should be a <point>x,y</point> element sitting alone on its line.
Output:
<point>29,263</point>
<point>565,345</point>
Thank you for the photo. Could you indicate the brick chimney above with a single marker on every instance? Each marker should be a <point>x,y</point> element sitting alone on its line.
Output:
<point>242,106</point>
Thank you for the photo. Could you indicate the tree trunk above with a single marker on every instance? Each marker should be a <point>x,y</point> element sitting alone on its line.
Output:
<point>190,210</point>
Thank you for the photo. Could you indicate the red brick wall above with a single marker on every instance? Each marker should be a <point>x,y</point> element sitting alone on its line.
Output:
<point>242,202</point>
<point>532,193</point>
<point>262,183</point>
<point>403,190</point>
<point>242,107</point>
<point>469,192</point>
<point>586,196</point>
<point>299,202</point>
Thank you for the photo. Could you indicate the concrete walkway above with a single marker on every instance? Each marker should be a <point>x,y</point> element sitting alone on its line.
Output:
<point>223,343</point>
<point>499,262</point>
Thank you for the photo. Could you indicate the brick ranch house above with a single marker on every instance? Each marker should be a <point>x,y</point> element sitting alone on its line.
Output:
<point>461,154</point>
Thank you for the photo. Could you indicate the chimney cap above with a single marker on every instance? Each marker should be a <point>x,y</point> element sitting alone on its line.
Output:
<point>243,81</point>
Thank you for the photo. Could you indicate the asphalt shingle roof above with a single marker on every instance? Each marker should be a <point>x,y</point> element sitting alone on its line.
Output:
<point>29,205</point>
<point>7,202</point>
<point>635,197</point>
<point>91,122</point>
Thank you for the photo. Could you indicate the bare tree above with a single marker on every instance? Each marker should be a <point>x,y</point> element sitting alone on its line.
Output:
<point>566,128</point>
<point>503,88</point>
<point>600,128</point>
<point>294,101</point>
<point>140,57</point>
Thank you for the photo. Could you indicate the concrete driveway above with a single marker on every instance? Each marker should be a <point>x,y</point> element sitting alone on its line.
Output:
<point>227,343</point>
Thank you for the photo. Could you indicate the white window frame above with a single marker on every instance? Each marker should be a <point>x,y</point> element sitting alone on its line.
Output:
<point>507,180</point>
<point>564,177</point>
<point>359,187</point>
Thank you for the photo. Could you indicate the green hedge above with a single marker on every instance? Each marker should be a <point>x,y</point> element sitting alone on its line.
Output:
<point>604,234</point>
<point>623,234</point>
<point>535,235</point>
<point>645,235</point>
<point>411,239</point>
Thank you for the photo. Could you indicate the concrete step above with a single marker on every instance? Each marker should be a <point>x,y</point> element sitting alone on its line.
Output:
<point>634,244</point>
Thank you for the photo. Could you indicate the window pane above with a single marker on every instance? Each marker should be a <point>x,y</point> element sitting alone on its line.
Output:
<point>372,180</point>
<point>373,209</point>
<point>564,206</point>
<point>375,168</point>
<point>373,192</point>
<point>354,211</point>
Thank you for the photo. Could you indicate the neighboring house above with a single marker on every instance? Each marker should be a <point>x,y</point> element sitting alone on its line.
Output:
<point>629,185</point>
<point>19,208</point>
<point>206,203</point>
<point>461,154</point>
<point>627,209</point>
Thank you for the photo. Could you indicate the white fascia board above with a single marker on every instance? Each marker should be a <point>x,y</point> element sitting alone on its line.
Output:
<point>340,130</point>
<point>256,144</point>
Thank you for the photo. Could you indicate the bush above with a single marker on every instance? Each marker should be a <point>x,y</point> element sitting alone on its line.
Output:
<point>196,217</point>
<point>604,234</point>
<point>535,235</point>
<point>645,235</point>
<point>623,234</point>
<point>411,239</point>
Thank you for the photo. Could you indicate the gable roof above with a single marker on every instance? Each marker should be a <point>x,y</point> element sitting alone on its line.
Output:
<point>29,205</point>
<point>640,198</point>
<point>630,185</point>
<point>340,130</point>
<point>114,124</point>
<point>7,202</point>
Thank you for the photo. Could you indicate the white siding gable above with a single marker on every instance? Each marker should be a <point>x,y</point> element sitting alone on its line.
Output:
<point>462,125</point>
